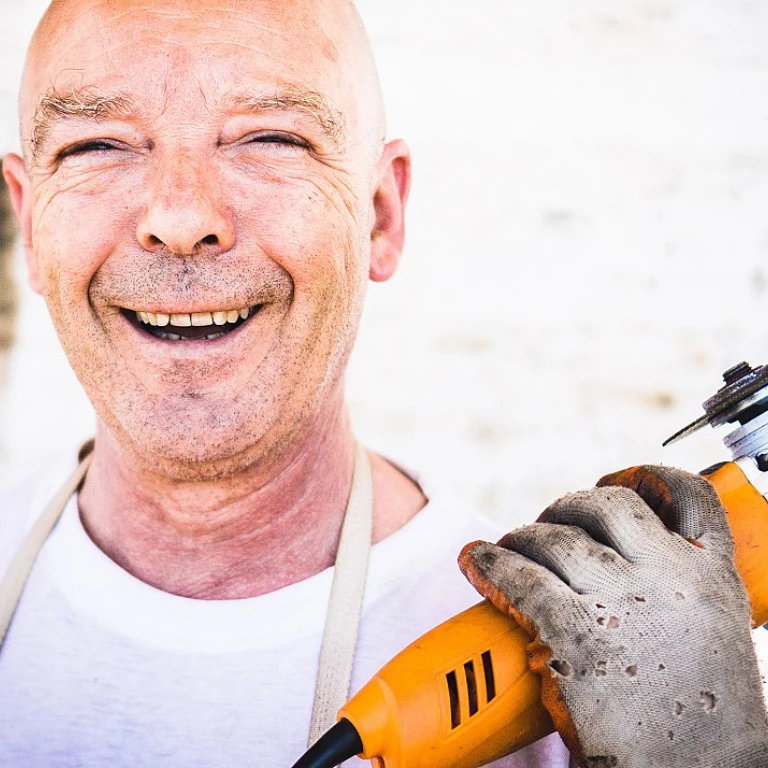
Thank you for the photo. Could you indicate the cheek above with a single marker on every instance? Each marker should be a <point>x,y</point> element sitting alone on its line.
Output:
<point>313,228</point>
<point>73,235</point>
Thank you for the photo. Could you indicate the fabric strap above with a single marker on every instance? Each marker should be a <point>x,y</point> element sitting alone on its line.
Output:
<point>21,566</point>
<point>345,606</point>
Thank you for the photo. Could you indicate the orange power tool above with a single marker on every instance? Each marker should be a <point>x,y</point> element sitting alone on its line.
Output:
<point>462,695</point>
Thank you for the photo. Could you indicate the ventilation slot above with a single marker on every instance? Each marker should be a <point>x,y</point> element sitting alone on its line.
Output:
<point>453,696</point>
<point>469,674</point>
<point>490,681</point>
<point>453,680</point>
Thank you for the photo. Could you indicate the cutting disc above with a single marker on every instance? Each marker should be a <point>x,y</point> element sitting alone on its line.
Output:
<point>740,391</point>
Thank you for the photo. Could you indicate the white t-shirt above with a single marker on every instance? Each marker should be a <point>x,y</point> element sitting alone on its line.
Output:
<point>100,670</point>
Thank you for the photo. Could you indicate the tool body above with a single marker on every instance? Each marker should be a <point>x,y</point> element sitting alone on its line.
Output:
<point>462,695</point>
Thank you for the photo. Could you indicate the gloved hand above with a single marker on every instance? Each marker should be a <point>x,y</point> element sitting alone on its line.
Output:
<point>641,637</point>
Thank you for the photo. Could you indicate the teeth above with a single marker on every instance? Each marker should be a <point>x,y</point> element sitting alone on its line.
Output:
<point>182,320</point>
<point>202,318</point>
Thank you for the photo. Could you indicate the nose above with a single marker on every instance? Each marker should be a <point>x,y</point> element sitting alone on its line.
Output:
<point>186,213</point>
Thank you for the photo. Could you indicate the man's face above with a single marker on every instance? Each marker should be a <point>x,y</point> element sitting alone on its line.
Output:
<point>199,215</point>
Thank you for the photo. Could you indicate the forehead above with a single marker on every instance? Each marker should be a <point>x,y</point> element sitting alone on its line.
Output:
<point>162,49</point>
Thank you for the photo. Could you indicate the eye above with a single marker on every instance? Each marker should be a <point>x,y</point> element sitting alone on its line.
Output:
<point>96,146</point>
<point>276,140</point>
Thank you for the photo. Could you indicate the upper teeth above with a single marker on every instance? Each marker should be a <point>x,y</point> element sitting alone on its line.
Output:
<point>219,317</point>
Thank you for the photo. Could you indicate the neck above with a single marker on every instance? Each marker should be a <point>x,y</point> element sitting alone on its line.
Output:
<point>240,536</point>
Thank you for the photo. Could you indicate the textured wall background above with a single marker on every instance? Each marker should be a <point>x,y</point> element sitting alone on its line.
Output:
<point>588,243</point>
<point>587,250</point>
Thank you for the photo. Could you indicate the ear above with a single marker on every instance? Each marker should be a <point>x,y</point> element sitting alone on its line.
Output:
<point>17,179</point>
<point>389,198</point>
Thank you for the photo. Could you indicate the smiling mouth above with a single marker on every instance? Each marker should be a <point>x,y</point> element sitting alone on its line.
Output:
<point>194,326</point>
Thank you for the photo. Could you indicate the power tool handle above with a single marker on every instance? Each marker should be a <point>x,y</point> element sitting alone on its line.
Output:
<point>462,695</point>
<point>747,512</point>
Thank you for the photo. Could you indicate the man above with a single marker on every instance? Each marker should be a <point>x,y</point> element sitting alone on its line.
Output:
<point>203,195</point>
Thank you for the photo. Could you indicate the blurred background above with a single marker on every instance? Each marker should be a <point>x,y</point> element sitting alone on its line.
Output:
<point>587,248</point>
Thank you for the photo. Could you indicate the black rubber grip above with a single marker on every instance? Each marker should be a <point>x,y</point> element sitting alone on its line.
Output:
<point>335,746</point>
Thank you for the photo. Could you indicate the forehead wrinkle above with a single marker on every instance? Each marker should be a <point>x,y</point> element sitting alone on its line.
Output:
<point>337,20</point>
<point>52,31</point>
<point>312,103</point>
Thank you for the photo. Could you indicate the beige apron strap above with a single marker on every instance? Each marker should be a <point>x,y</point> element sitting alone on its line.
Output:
<point>345,606</point>
<point>18,571</point>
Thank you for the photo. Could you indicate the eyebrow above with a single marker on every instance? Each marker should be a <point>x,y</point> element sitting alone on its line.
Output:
<point>311,103</point>
<point>89,104</point>
<point>80,104</point>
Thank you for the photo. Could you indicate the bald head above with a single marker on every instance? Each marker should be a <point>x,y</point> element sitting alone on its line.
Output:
<point>316,55</point>
<point>193,161</point>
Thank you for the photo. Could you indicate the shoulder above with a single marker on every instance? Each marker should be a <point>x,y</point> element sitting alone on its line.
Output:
<point>430,500</point>
<point>23,499</point>
<point>414,580</point>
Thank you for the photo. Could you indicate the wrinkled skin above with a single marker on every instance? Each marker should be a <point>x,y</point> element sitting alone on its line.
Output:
<point>180,157</point>
<point>291,224</point>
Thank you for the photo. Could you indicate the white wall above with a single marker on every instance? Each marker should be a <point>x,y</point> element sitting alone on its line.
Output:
<point>587,246</point>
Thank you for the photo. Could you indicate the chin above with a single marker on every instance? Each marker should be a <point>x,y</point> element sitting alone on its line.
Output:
<point>193,444</point>
<point>194,437</point>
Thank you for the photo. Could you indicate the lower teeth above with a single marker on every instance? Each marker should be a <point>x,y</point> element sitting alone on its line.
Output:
<point>175,336</point>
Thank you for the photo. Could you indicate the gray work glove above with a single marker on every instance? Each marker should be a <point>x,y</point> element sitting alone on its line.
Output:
<point>642,638</point>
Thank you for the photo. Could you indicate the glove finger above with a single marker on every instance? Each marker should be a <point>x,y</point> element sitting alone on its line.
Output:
<point>516,585</point>
<point>686,503</point>
<point>523,590</point>
<point>615,517</point>
<point>570,553</point>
